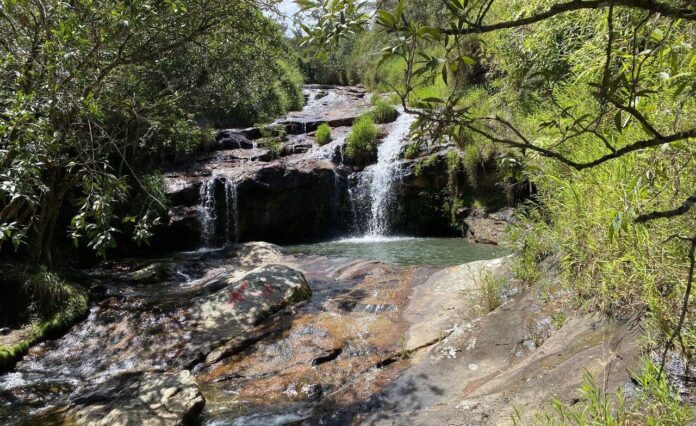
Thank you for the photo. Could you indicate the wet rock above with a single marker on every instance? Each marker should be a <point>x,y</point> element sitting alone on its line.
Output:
<point>183,192</point>
<point>142,398</point>
<point>231,140</point>
<point>153,273</point>
<point>246,155</point>
<point>4,331</point>
<point>291,202</point>
<point>182,231</point>
<point>259,294</point>
<point>248,134</point>
<point>425,195</point>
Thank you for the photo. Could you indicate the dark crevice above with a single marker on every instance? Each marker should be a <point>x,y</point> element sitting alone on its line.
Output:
<point>327,358</point>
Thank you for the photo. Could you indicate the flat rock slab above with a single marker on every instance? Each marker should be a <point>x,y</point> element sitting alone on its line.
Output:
<point>489,367</point>
<point>141,398</point>
<point>440,303</point>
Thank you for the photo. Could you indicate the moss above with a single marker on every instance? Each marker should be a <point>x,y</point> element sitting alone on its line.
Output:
<point>323,135</point>
<point>56,306</point>
<point>424,164</point>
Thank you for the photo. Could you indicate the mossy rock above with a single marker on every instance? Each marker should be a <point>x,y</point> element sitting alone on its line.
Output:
<point>74,308</point>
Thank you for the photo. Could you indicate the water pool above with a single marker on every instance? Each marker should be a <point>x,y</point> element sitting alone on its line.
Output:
<point>438,252</point>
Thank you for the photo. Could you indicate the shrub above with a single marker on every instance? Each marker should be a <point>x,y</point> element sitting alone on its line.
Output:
<point>323,135</point>
<point>412,151</point>
<point>383,112</point>
<point>361,145</point>
<point>490,289</point>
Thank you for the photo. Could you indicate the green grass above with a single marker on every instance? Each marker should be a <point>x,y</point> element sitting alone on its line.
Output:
<point>383,112</point>
<point>323,134</point>
<point>655,403</point>
<point>361,145</point>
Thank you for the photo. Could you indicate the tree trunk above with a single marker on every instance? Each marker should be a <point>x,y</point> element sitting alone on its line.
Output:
<point>41,236</point>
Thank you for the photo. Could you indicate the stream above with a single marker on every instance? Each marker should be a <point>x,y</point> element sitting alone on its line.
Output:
<point>264,334</point>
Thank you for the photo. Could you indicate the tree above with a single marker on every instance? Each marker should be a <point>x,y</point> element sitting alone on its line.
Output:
<point>94,92</point>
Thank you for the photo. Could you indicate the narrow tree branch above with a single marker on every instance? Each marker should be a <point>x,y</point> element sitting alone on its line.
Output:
<point>687,14</point>
<point>685,207</point>
<point>685,304</point>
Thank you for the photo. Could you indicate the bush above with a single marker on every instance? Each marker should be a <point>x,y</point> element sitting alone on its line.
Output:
<point>361,146</point>
<point>383,112</point>
<point>412,151</point>
<point>323,135</point>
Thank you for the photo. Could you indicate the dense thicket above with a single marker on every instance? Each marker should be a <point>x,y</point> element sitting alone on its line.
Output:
<point>94,94</point>
<point>595,100</point>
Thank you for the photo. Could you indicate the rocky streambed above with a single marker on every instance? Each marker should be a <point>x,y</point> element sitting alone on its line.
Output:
<point>251,335</point>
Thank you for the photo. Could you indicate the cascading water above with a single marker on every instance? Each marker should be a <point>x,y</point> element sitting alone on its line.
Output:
<point>232,204</point>
<point>207,211</point>
<point>378,179</point>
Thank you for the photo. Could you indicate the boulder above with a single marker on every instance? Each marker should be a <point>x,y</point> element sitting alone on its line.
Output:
<point>246,302</point>
<point>141,398</point>
<point>258,154</point>
<point>231,140</point>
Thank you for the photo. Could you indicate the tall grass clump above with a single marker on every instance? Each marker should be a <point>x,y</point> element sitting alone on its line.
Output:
<point>323,134</point>
<point>655,402</point>
<point>361,145</point>
<point>383,112</point>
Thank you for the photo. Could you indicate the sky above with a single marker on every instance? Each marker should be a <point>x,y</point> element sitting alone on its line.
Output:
<point>288,7</point>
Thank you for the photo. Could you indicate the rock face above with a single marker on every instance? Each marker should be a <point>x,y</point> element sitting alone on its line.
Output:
<point>285,189</point>
<point>149,399</point>
<point>425,195</point>
<point>289,203</point>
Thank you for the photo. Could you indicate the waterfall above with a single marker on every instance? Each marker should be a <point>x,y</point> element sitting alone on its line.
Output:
<point>232,214</point>
<point>379,178</point>
<point>206,211</point>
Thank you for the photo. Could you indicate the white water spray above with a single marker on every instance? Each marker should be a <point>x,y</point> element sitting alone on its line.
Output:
<point>380,177</point>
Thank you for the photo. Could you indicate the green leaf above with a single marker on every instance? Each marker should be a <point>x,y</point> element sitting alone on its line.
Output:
<point>467,60</point>
<point>399,10</point>
<point>386,19</point>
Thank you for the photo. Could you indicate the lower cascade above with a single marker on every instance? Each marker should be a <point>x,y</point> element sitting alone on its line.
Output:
<point>376,183</point>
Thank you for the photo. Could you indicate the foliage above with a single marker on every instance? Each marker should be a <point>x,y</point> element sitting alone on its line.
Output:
<point>323,135</point>
<point>490,291</point>
<point>656,403</point>
<point>95,95</point>
<point>55,305</point>
<point>592,102</point>
<point>412,150</point>
<point>361,145</point>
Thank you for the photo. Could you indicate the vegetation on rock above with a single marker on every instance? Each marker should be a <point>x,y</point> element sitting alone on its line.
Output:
<point>361,145</point>
<point>383,112</point>
<point>323,134</point>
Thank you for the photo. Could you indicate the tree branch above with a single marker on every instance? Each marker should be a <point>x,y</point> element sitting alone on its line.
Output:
<point>664,214</point>
<point>687,14</point>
